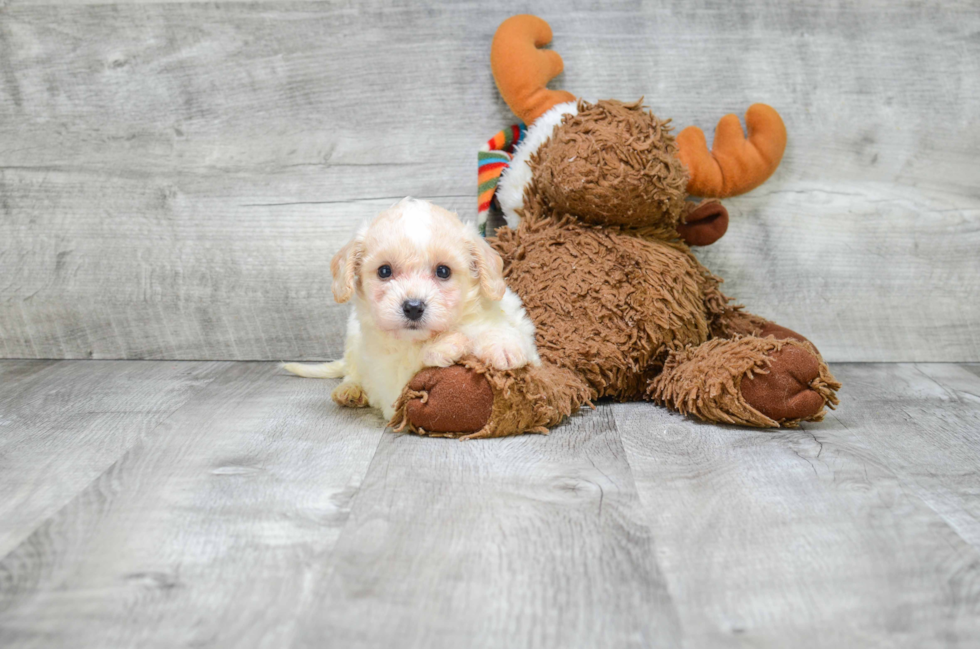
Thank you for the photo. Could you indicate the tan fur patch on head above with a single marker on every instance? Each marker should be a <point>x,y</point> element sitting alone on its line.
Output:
<point>612,163</point>
<point>411,240</point>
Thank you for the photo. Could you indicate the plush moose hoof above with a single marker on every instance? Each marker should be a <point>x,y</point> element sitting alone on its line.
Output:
<point>788,391</point>
<point>450,400</point>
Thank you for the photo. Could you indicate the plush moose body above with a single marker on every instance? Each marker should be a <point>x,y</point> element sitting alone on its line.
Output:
<point>599,224</point>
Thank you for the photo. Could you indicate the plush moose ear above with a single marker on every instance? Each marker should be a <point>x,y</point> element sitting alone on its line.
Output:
<point>487,267</point>
<point>705,224</point>
<point>344,268</point>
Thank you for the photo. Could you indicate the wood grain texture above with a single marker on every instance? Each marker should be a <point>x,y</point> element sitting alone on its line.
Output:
<point>205,532</point>
<point>63,424</point>
<point>937,454</point>
<point>175,177</point>
<point>524,542</point>
<point>828,536</point>
<point>259,514</point>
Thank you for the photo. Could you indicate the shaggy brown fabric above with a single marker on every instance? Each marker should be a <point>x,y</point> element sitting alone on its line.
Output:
<point>730,321</point>
<point>607,302</point>
<point>707,381</point>
<point>621,306</point>
<point>526,400</point>
<point>612,163</point>
<point>782,333</point>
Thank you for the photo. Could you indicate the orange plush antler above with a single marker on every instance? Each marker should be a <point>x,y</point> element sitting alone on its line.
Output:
<point>522,71</point>
<point>735,164</point>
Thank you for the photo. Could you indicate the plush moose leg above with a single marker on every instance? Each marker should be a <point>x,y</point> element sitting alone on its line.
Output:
<point>472,401</point>
<point>732,322</point>
<point>751,381</point>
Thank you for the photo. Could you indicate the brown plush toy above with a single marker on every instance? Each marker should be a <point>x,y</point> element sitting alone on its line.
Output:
<point>599,224</point>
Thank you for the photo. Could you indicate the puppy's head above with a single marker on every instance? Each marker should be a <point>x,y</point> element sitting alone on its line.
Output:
<point>417,269</point>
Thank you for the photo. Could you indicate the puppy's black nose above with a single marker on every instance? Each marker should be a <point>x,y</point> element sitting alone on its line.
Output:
<point>413,309</point>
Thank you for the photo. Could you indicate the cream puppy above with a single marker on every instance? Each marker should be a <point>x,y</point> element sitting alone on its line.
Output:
<point>427,291</point>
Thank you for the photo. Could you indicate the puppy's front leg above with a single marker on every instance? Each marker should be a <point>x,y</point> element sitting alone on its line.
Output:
<point>501,350</point>
<point>446,350</point>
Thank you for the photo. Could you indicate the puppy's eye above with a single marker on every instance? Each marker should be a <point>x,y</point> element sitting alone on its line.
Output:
<point>384,272</point>
<point>443,272</point>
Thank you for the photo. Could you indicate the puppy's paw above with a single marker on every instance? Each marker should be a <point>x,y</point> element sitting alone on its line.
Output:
<point>502,353</point>
<point>350,395</point>
<point>445,351</point>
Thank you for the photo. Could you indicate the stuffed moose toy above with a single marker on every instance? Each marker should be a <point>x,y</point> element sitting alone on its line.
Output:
<point>596,246</point>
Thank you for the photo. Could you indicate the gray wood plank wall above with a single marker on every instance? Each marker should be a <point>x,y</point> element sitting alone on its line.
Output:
<point>174,178</point>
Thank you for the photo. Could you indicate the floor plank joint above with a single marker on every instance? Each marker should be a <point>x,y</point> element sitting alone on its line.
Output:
<point>154,503</point>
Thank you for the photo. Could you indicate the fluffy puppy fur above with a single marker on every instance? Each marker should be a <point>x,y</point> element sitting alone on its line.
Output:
<point>427,291</point>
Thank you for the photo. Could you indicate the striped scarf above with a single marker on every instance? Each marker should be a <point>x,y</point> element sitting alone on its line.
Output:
<point>493,158</point>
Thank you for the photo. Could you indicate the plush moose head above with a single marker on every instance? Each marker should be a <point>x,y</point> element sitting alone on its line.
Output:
<point>614,163</point>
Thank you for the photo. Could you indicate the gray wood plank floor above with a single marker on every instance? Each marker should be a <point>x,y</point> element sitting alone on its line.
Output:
<point>163,504</point>
<point>174,177</point>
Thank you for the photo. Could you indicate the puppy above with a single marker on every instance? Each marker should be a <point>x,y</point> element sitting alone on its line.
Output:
<point>427,291</point>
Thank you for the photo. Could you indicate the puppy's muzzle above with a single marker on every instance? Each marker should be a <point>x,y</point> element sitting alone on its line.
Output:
<point>413,309</point>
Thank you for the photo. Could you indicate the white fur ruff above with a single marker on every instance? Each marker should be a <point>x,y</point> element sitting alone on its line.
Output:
<point>517,176</point>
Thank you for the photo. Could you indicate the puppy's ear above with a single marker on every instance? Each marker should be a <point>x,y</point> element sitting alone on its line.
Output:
<point>487,267</point>
<point>344,267</point>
